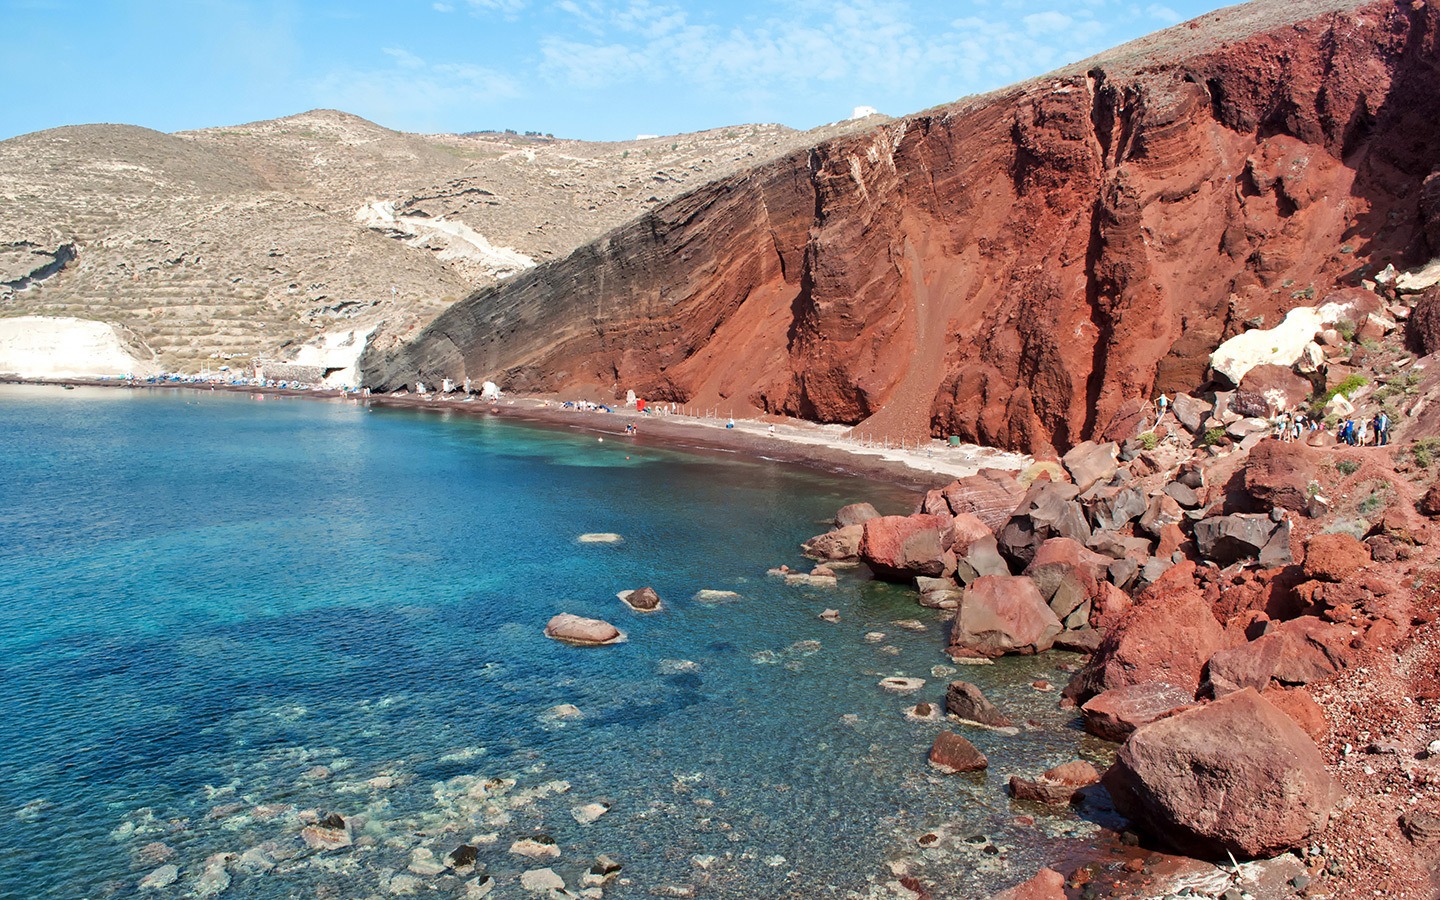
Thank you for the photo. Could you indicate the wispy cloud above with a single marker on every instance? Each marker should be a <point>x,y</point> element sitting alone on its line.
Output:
<point>412,90</point>
<point>866,43</point>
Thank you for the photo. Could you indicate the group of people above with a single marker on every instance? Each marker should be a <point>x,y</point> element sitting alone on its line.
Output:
<point>1374,432</point>
<point>1290,426</point>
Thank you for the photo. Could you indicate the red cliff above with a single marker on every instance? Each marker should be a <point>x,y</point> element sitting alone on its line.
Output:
<point>1023,269</point>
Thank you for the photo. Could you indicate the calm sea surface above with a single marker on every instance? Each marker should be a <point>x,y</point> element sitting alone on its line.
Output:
<point>222,616</point>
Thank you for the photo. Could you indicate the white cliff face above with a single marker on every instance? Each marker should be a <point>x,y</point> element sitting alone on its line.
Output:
<point>64,347</point>
<point>453,242</point>
<point>338,353</point>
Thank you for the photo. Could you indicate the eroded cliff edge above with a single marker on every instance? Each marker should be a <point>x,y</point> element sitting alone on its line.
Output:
<point>1022,270</point>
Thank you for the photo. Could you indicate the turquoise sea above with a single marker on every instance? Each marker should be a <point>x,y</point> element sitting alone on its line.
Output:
<point>223,616</point>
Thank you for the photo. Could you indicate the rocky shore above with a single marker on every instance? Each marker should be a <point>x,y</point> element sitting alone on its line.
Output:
<point>1257,598</point>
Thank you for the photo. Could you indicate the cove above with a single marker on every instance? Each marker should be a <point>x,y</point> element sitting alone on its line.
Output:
<point>227,615</point>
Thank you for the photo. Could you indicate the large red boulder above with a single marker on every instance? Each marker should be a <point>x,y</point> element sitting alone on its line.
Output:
<point>1236,776</point>
<point>1089,462</point>
<point>1280,474</point>
<point>1296,652</point>
<point>1115,714</point>
<point>1166,637</point>
<point>1002,614</point>
<point>1068,576</point>
<point>990,495</point>
<point>1267,390</point>
<point>897,548</point>
<point>1422,330</point>
<point>1334,557</point>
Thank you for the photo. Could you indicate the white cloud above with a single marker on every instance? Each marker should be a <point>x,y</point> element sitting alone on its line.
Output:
<point>863,45</point>
<point>1049,22</point>
<point>442,7</point>
<point>1164,14</point>
<point>413,93</point>
<point>404,58</point>
<point>504,7</point>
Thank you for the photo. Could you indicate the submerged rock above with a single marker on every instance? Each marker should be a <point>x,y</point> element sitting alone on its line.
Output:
<point>574,629</point>
<point>966,702</point>
<point>164,876</point>
<point>600,537</point>
<point>589,812</point>
<point>538,847</point>
<point>902,685</point>
<point>541,881</point>
<point>332,832</point>
<point>1055,786</point>
<point>952,753</point>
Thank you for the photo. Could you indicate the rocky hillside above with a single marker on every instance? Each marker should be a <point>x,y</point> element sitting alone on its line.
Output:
<point>225,243</point>
<point>1258,601</point>
<point>1024,269</point>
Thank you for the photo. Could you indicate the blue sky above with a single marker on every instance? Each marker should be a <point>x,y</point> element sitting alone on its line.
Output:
<point>597,69</point>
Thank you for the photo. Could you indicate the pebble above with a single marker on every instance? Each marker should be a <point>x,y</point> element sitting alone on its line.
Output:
<point>831,615</point>
<point>600,537</point>
<point>1433,749</point>
<point>874,637</point>
<point>713,596</point>
<point>405,884</point>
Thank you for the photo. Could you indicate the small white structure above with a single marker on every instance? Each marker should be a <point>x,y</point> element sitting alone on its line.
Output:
<point>489,390</point>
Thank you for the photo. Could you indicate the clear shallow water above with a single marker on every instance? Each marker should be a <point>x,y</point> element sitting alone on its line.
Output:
<point>219,614</point>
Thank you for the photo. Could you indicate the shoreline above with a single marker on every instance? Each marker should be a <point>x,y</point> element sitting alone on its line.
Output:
<point>793,441</point>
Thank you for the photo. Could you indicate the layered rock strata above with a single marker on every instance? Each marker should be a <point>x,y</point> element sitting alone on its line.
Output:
<point>1022,269</point>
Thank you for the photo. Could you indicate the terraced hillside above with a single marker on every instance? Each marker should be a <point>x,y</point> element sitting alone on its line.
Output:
<point>223,244</point>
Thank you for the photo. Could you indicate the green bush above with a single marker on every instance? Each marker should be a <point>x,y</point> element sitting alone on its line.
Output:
<point>1372,504</point>
<point>1424,451</point>
<point>1346,329</point>
<point>1212,437</point>
<point>1149,440</point>
<point>1347,467</point>
<point>1349,386</point>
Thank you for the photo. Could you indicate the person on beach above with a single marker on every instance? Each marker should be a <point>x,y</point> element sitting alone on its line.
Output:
<point>730,424</point>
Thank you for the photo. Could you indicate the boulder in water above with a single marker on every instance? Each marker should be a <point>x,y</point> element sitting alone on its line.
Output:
<point>584,632</point>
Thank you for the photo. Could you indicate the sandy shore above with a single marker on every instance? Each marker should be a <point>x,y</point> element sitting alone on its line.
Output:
<point>825,447</point>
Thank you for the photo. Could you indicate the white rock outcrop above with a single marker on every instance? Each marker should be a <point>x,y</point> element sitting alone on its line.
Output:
<point>1284,345</point>
<point>338,353</point>
<point>65,347</point>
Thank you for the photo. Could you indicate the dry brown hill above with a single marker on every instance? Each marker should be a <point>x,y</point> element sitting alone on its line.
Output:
<point>222,244</point>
